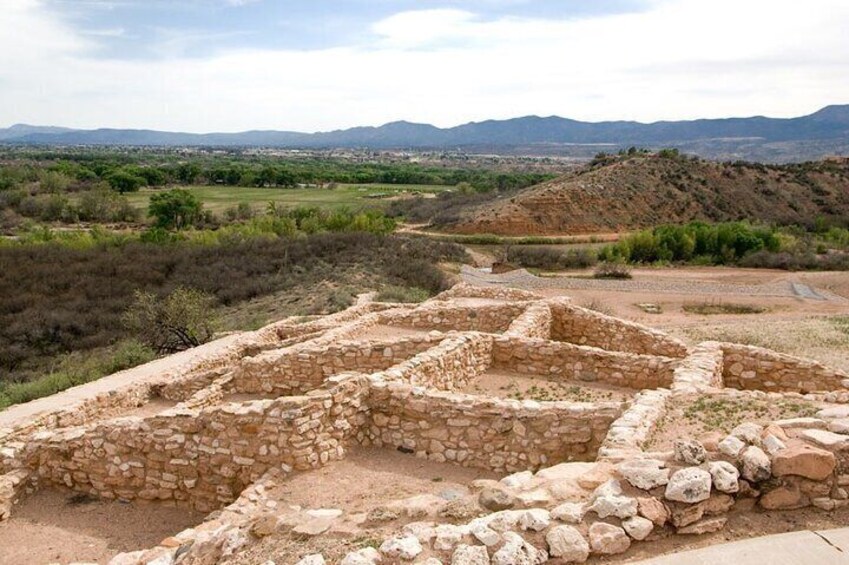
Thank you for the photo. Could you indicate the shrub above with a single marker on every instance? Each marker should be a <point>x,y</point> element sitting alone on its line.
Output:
<point>612,271</point>
<point>175,209</point>
<point>182,320</point>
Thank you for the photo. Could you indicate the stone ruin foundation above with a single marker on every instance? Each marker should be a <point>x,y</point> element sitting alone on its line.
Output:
<point>218,434</point>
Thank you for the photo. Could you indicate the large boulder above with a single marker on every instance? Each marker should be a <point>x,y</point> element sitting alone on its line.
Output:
<point>569,512</point>
<point>653,509</point>
<point>725,476</point>
<point>756,465</point>
<point>732,446</point>
<point>495,499</point>
<point>689,485</point>
<point>405,547</point>
<point>644,474</point>
<point>748,432</point>
<point>567,543</point>
<point>607,539</point>
<point>804,460</point>
<point>784,497</point>
<point>638,527</point>
<point>620,506</point>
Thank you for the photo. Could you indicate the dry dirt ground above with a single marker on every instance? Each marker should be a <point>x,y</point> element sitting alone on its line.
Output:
<point>58,526</point>
<point>507,384</point>
<point>817,329</point>
<point>366,479</point>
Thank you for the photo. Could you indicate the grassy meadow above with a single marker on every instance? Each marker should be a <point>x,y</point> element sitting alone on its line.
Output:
<point>218,198</point>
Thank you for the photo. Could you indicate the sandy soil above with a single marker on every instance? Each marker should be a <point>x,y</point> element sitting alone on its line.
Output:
<point>381,332</point>
<point>247,397</point>
<point>700,417</point>
<point>151,408</point>
<point>507,384</point>
<point>55,526</point>
<point>369,477</point>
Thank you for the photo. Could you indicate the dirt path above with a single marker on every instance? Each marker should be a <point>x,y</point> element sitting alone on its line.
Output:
<point>55,526</point>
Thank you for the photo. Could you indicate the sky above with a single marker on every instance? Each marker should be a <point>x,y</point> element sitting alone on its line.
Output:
<point>319,65</point>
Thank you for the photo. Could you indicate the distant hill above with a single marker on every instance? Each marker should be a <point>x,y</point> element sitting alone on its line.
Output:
<point>647,190</point>
<point>825,132</point>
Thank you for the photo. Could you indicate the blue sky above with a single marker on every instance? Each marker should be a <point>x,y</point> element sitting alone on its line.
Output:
<point>196,28</point>
<point>232,65</point>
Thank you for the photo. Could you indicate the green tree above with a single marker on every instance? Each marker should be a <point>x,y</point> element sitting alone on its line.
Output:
<point>182,320</point>
<point>175,209</point>
<point>125,181</point>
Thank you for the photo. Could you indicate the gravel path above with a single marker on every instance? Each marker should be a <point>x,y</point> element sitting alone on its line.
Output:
<point>521,278</point>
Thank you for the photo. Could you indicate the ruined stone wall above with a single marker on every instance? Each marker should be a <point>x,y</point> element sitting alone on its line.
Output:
<point>753,368</point>
<point>464,290</point>
<point>452,364</point>
<point>299,370</point>
<point>701,370</point>
<point>201,458</point>
<point>534,322</point>
<point>500,435</point>
<point>567,361</point>
<point>585,327</point>
<point>493,318</point>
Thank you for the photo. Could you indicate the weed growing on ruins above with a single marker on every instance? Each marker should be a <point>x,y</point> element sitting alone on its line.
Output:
<point>724,414</point>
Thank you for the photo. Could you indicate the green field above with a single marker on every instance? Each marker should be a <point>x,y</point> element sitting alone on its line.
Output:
<point>219,198</point>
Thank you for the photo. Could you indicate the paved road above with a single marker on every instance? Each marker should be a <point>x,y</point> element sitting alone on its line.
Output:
<point>521,278</point>
<point>828,547</point>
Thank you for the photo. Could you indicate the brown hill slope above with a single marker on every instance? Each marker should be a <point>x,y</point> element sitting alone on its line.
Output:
<point>635,192</point>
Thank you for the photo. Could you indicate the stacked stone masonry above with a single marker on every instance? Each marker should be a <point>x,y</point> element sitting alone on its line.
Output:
<point>583,483</point>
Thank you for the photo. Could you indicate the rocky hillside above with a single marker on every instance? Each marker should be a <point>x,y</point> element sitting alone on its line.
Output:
<point>621,193</point>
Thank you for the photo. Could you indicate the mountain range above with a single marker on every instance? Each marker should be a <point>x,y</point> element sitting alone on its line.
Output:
<point>825,132</point>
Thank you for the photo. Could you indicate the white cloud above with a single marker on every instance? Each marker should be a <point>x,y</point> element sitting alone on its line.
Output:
<point>679,59</point>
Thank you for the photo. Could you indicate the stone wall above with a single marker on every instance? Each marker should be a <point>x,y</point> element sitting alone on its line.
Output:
<point>585,327</point>
<point>534,322</point>
<point>201,458</point>
<point>634,427</point>
<point>11,487</point>
<point>500,435</point>
<point>507,294</point>
<point>491,318</point>
<point>701,370</point>
<point>299,370</point>
<point>452,364</point>
<point>754,368</point>
<point>567,361</point>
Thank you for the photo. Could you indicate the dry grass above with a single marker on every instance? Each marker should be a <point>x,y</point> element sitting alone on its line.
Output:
<point>825,339</point>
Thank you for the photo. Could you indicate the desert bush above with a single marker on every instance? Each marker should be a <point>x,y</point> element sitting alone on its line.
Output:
<point>612,270</point>
<point>182,320</point>
<point>550,258</point>
<point>67,291</point>
<point>175,209</point>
